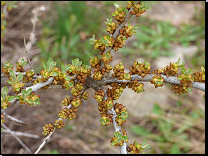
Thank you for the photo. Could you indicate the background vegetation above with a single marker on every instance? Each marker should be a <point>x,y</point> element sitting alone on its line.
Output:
<point>63,34</point>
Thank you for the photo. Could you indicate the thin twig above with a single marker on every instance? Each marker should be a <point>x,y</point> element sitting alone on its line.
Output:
<point>21,133</point>
<point>17,138</point>
<point>26,49</point>
<point>44,142</point>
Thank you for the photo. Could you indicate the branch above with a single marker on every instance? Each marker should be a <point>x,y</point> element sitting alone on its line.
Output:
<point>116,127</point>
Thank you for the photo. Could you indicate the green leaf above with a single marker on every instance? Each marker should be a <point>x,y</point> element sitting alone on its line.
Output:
<point>76,62</point>
<point>11,98</point>
<point>53,74</point>
<point>183,70</point>
<point>71,84</point>
<point>116,5</point>
<point>23,62</point>
<point>66,78</point>
<point>92,40</point>
<point>44,66</point>
<point>24,93</point>
<point>108,37</point>
<point>63,68</point>
<point>135,27</point>
<point>113,143</point>
<point>10,82</point>
<point>189,71</point>
<point>144,142</point>
<point>4,92</point>
<point>19,77</point>
<point>86,66</point>
<point>108,21</point>
<point>28,92</point>
<point>13,76</point>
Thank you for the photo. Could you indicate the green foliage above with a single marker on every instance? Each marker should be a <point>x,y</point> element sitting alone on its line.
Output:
<point>155,38</point>
<point>154,42</point>
<point>166,131</point>
<point>67,28</point>
<point>54,152</point>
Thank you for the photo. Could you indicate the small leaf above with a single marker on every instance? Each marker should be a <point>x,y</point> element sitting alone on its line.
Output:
<point>13,76</point>
<point>135,27</point>
<point>66,78</point>
<point>116,5</point>
<point>108,37</point>
<point>19,77</point>
<point>29,91</point>
<point>4,92</point>
<point>144,142</point>
<point>189,71</point>
<point>11,98</point>
<point>63,68</point>
<point>92,40</point>
<point>53,74</point>
<point>183,70</point>
<point>44,66</point>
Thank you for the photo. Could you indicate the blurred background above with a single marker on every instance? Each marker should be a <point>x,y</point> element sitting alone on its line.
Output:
<point>167,31</point>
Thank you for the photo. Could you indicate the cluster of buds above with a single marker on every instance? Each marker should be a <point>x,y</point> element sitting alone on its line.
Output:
<point>134,148</point>
<point>99,95</point>
<point>77,89</point>
<point>116,91</point>
<point>157,80</point>
<point>66,101</point>
<point>158,71</point>
<point>85,95</point>
<point>119,71</point>
<point>119,43</point>
<point>185,81</point>
<point>138,9</point>
<point>20,66</point>
<point>186,76</point>
<point>121,112</point>
<point>5,104</point>
<point>95,62</point>
<point>106,119</point>
<point>106,69</point>
<point>119,14</point>
<point>6,68</point>
<point>5,99</point>
<point>76,102</point>
<point>127,31</point>
<point>142,69</point>
<point>29,75</point>
<point>103,43</point>
<point>118,139</point>
<point>84,73</point>
<point>17,87</point>
<point>111,26</point>
<point>48,129</point>
<point>171,70</point>
<point>59,124</point>
<point>68,113</point>
<point>181,89</point>
<point>107,57</point>
<point>200,76</point>
<point>97,75</point>
<point>136,86</point>
<point>67,84</point>
<point>31,99</point>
